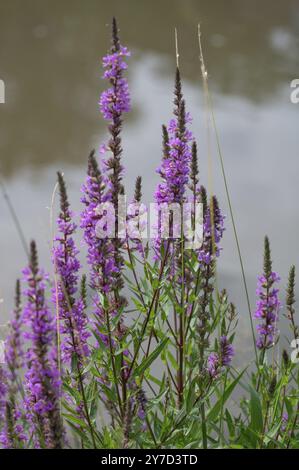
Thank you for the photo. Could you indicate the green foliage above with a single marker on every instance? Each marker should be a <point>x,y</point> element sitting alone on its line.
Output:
<point>245,409</point>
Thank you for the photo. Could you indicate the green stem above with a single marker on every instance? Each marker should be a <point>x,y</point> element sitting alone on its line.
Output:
<point>211,107</point>
<point>181,324</point>
<point>113,362</point>
<point>144,326</point>
<point>203,426</point>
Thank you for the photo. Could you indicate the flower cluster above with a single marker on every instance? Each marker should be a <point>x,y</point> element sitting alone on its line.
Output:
<point>221,359</point>
<point>268,303</point>
<point>14,355</point>
<point>3,390</point>
<point>100,256</point>
<point>267,310</point>
<point>13,430</point>
<point>174,169</point>
<point>73,324</point>
<point>105,254</point>
<point>115,100</point>
<point>5,440</point>
<point>100,251</point>
<point>42,379</point>
<point>213,228</point>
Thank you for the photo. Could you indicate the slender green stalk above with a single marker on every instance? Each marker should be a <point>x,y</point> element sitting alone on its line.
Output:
<point>205,81</point>
<point>15,217</point>
<point>148,315</point>
<point>181,322</point>
<point>169,434</point>
<point>79,366</point>
<point>222,408</point>
<point>113,362</point>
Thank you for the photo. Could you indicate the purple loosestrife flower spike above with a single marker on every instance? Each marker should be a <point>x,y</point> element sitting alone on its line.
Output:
<point>73,320</point>
<point>13,432</point>
<point>268,305</point>
<point>174,168</point>
<point>138,210</point>
<point>83,290</point>
<point>42,380</point>
<point>142,404</point>
<point>193,186</point>
<point>226,351</point>
<point>290,302</point>
<point>6,434</point>
<point>284,422</point>
<point>221,359</point>
<point>14,354</point>
<point>165,138</point>
<point>100,250</point>
<point>175,165</point>
<point>3,392</point>
<point>213,229</point>
<point>194,171</point>
<point>5,440</point>
<point>114,102</point>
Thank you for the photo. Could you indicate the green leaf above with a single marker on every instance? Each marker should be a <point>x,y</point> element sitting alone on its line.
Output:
<point>289,407</point>
<point>75,420</point>
<point>214,412</point>
<point>230,423</point>
<point>172,360</point>
<point>256,415</point>
<point>145,364</point>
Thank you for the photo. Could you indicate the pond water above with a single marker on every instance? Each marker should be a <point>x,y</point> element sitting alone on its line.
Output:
<point>50,63</point>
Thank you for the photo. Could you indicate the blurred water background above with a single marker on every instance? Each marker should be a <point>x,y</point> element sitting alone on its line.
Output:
<point>50,62</point>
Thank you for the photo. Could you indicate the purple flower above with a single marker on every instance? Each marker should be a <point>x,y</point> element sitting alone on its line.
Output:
<point>220,359</point>
<point>3,390</point>
<point>226,351</point>
<point>268,304</point>
<point>213,364</point>
<point>213,229</point>
<point>174,168</point>
<point>267,310</point>
<point>73,324</point>
<point>284,422</point>
<point>142,404</point>
<point>104,254</point>
<point>114,103</point>
<point>42,379</point>
<point>100,255</point>
<point>116,100</point>
<point>14,354</point>
<point>100,250</point>
<point>13,433</point>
